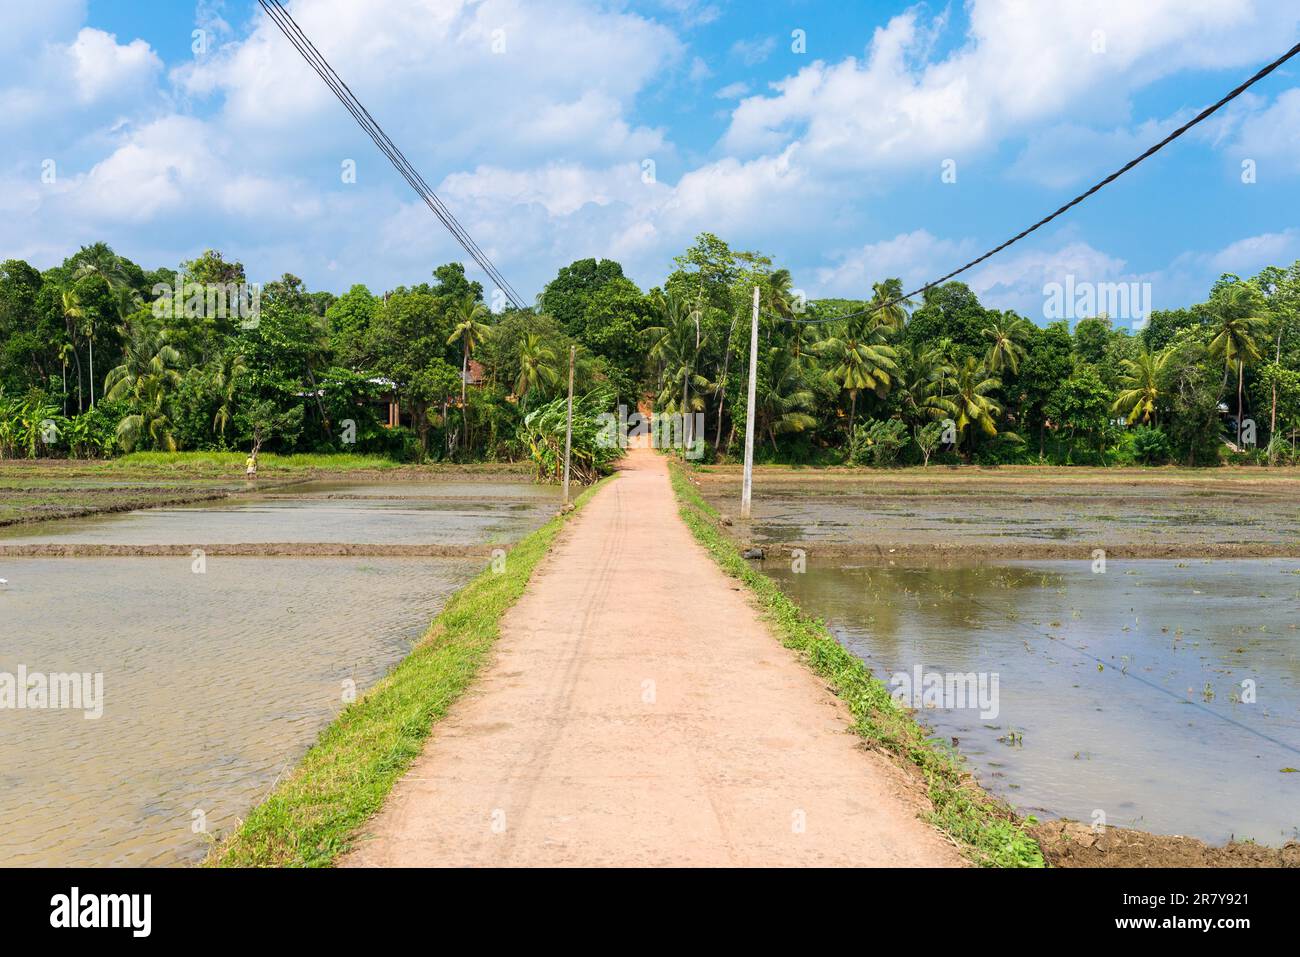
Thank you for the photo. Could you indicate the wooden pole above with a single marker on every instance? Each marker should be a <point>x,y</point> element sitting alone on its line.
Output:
<point>747,489</point>
<point>568,426</point>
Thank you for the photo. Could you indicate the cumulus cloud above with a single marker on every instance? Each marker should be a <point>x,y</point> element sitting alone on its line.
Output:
<point>1270,136</point>
<point>102,68</point>
<point>1020,63</point>
<point>510,79</point>
<point>529,119</point>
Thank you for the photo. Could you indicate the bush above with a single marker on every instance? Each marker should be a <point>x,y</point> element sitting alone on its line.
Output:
<point>877,442</point>
<point>543,433</point>
<point>1151,446</point>
<point>1005,448</point>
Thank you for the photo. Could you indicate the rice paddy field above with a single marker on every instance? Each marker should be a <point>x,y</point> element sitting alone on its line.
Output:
<point>1137,630</point>
<point>228,627</point>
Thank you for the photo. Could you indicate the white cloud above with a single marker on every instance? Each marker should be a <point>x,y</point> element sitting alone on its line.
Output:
<point>1021,63</point>
<point>733,91</point>
<point>1271,136</point>
<point>915,257</point>
<point>544,79</point>
<point>104,69</point>
<point>755,51</point>
<point>1067,154</point>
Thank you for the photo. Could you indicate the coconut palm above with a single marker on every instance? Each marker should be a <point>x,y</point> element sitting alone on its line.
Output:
<point>1006,348</point>
<point>99,260</point>
<point>783,400</point>
<point>537,366</point>
<point>923,377</point>
<point>65,350</point>
<point>1141,386</point>
<point>776,295</point>
<point>1235,326</point>
<point>859,357</point>
<point>677,344</point>
<point>971,387</point>
<point>146,380</point>
<point>470,329</point>
<point>226,372</point>
<point>890,306</point>
<point>73,314</point>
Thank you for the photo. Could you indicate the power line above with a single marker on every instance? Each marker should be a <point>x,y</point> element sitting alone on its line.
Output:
<point>1204,114</point>
<point>303,44</point>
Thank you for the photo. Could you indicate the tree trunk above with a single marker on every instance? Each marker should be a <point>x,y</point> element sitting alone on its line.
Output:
<point>1241,372</point>
<point>464,376</point>
<point>1272,419</point>
<point>686,422</point>
<point>80,404</point>
<point>92,372</point>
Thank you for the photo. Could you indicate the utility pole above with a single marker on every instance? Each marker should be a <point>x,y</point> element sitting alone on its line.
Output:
<point>747,490</point>
<point>568,426</point>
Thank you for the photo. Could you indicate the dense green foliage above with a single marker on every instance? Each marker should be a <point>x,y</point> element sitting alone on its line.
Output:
<point>99,356</point>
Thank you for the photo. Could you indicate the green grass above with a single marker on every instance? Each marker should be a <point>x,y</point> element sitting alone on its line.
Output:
<point>988,831</point>
<point>233,462</point>
<point>310,818</point>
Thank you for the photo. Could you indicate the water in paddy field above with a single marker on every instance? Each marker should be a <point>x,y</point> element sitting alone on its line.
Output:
<point>857,513</point>
<point>458,513</point>
<point>1120,693</point>
<point>214,684</point>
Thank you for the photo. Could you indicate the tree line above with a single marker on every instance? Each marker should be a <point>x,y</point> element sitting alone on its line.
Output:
<point>99,356</point>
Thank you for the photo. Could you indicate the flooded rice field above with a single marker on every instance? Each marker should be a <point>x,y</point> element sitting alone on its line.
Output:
<point>459,513</point>
<point>1161,695</point>
<point>1008,515</point>
<point>202,688</point>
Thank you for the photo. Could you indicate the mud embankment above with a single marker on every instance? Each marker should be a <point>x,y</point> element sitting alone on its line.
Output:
<point>246,550</point>
<point>1071,844</point>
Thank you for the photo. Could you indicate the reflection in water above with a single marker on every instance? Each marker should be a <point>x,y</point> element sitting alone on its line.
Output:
<point>868,515</point>
<point>214,685</point>
<point>397,516</point>
<point>1126,692</point>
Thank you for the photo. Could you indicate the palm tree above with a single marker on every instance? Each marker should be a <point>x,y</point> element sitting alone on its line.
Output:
<point>1141,390</point>
<point>891,307</point>
<point>73,313</point>
<point>146,379</point>
<point>1006,349</point>
<point>676,344</point>
<point>99,260</point>
<point>66,350</point>
<point>972,386</point>
<point>470,329</point>
<point>923,375</point>
<point>860,357</point>
<point>1234,339</point>
<point>775,293</point>
<point>783,401</point>
<point>226,373</point>
<point>537,366</point>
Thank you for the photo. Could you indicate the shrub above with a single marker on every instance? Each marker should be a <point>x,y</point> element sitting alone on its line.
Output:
<point>877,442</point>
<point>1151,445</point>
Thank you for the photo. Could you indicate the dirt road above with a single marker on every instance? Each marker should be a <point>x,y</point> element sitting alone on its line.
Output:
<point>638,712</point>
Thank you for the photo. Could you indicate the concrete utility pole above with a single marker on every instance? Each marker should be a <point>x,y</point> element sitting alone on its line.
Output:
<point>568,426</point>
<point>747,490</point>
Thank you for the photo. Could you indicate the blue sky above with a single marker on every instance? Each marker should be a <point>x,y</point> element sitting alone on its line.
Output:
<point>536,122</point>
